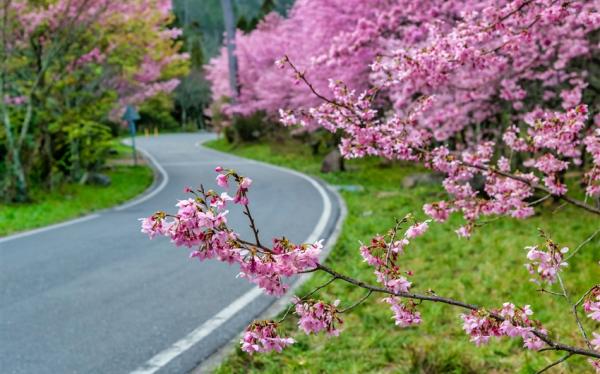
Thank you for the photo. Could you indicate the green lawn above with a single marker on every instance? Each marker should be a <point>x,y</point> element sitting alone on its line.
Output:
<point>487,270</point>
<point>74,200</point>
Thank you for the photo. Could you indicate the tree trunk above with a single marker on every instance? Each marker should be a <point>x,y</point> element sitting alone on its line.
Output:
<point>230,42</point>
<point>18,173</point>
<point>21,182</point>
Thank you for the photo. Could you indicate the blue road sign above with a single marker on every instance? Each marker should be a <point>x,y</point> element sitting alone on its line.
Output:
<point>131,115</point>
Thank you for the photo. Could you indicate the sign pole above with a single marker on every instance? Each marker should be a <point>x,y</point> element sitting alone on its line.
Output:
<point>132,130</point>
<point>131,115</point>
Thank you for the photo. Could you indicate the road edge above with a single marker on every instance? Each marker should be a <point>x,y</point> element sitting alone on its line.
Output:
<point>215,359</point>
<point>159,174</point>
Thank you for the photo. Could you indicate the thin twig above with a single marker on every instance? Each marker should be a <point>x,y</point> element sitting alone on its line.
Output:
<point>540,200</point>
<point>252,224</point>
<point>582,244</point>
<point>561,360</point>
<point>319,288</point>
<point>551,292</point>
<point>357,303</point>
<point>585,294</point>
<point>574,311</point>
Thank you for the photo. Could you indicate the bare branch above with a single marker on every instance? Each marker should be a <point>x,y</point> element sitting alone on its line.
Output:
<point>362,300</point>
<point>589,239</point>
<point>557,362</point>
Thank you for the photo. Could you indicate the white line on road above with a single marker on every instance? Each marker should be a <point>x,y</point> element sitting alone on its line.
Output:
<point>163,183</point>
<point>163,358</point>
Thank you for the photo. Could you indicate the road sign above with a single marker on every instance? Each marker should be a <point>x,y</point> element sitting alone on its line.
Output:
<point>131,115</point>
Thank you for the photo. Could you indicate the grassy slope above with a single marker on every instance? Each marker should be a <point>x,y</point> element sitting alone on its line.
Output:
<point>73,200</point>
<point>487,270</point>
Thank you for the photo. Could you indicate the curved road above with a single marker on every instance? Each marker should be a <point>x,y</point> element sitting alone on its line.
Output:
<point>96,296</point>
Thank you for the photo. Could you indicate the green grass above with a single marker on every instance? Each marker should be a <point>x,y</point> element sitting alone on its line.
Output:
<point>72,200</point>
<point>487,270</point>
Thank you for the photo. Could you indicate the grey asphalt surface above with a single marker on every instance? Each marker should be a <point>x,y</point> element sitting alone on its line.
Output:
<point>99,297</point>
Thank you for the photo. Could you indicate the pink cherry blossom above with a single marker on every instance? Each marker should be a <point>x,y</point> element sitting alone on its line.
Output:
<point>482,325</point>
<point>546,263</point>
<point>262,337</point>
<point>417,229</point>
<point>316,316</point>
<point>405,313</point>
<point>154,225</point>
<point>591,305</point>
<point>223,180</point>
<point>596,341</point>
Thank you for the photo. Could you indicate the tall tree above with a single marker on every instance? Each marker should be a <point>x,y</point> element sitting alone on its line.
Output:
<point>229,19</point>
<point>60,56</point>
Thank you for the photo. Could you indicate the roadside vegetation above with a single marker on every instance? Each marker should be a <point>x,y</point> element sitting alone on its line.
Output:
<point>72,200</point>
<point>481,270</point>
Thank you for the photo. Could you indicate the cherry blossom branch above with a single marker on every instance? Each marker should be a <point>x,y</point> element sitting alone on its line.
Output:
<point>444,300</point>
<point>536,186</point>
<point>531,184</point>
<point>252,224</point>
<point>302,76</point>
<point>553,345</point>
<point>201,223</point>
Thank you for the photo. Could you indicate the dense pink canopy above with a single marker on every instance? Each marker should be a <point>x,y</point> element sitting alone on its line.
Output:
<point>307,33</point>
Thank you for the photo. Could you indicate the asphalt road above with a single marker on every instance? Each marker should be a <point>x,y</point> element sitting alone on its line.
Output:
<point>96,296</point>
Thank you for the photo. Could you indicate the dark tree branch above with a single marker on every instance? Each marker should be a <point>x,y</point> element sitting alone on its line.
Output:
<point>557,362</point>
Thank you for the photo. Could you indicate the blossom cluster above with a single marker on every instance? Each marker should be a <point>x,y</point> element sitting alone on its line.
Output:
<point>556,139</point>
<point>262,336</point>
<point>383,254</point>
<point>315,316</point>
<point>405,313</point>
<point>546,263</point>
<point>445,77</point>
<point>510,321</point>
<point>201,223</point>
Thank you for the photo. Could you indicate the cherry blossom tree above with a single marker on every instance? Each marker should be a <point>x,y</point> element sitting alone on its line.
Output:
<point>304,34</point>
<point>50,48</point>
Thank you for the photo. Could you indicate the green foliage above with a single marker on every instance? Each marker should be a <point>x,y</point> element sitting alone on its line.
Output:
<point>250,128</point>
<point>72,200</point>
<point>72,78</point>
<point>243,128</point>
<point>487,270</point>
<point>192,97</point>
<point>88,144</point>
<point>156,112</point>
